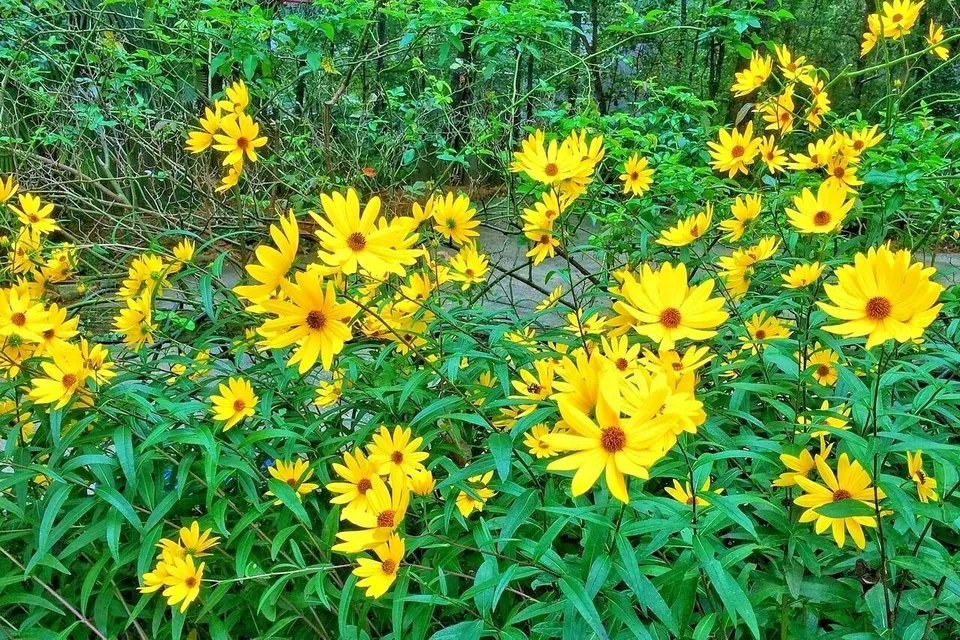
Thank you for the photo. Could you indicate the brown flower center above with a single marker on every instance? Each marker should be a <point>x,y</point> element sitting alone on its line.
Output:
<point>691,500</point>
<point>613,439</point>
<point>385,519</point>
<point>695,231</point>
<point>33,218</point>
<point>897,17</point>
<point>841,494</point>
<point>18,319</point>
<point>364,485</point>
<point>191,582</point>
<point>550,214</point>
<point>239,405</point>
<point>737,151</point>
<point>815,159</point>
<point>921,476</point>
<point>396,457</point>
<point>823,371</point>
<point>621,364</point>
<point>389,567</point>
<point>822,218</point>
<point>545,239</point>
<point>49,334</point>
<point>634,176</point>
<point>242,143</point>
<point>534,388</point>
<point>316,320</point>
<point>761,334</point>
<point>878,308</point>
<point>792,66</point>
<point>292,482</point>
<point>670,318</point>
<point>68,380</point>
<point>858,145</point>
<point>356,241</point>
<point>468,272</point>
<point>839,172</point>
<point>677,366</point>
<point>551,169</point>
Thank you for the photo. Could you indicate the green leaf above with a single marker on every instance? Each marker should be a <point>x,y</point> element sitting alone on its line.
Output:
<point>120,503</point>
<point>846,509</point>
<point>647,594</point>
<point>520,510</point>
<point>577,595</point>
<point>289,497</point>
<point>460,631</point>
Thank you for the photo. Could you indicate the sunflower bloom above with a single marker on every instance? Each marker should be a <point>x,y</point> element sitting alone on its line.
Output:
<point>883,296</point>
<point>934,38</point>
<point>665,309</point>
<point>386,509</point>
<point>376,576</point>
<point>926,486</point>
<point>455,219</point>
<point>469,267</point>
<point>35,215</point>
<point>684,495</point>
<point>822,213</point>
<point>466,503</point>
<point>851,482</point>
<point>294,474</point>
<point>734,152</point>
<point>802,275</point>
<point>199,141</point>
<point>753,77</point>
<point>8,189</point>
<point>637,177</point>
<point>396,455</point>
<point>773,156</point>
<point>192,542</point>
<point>272,264</point>
<point>23,317</point>
<point>182,582</point>
<point>547,163</point>
<point>537,445</point>
<point>64,377</point>
<point>241,137</point>
<point>799,465</point>
<point>744,211</point>
<point>687,230</point>
<point>235,402</point>
<point>357,473</point>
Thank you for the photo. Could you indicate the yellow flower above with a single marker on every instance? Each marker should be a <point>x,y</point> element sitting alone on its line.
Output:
<point>241,137</point>
<point>21,316</point>
<point>136,322</point>
<point>237,98</point>
<point>376,576</point>
<point>357,472</point>
<point>156,579</point>
<point>836,420</point>
<point>539,447</point>
<point>621,355</point>
<point>842,175</point>
<point>182,582</point>
<point>665,309</point>
<point>294,474</point>
<point>899,17</point>
<point>198,141</point>
<point>802,275</point>
<point>549,164</point>
<point>792,68</point>
<point>544,244</point>
<point>386,509</point>
<point>800,465</point>
<point>819,153</point>
<point>466,503</point>
<point>534,387</point>
<point>580,326</point>
<point>35,215</point>
<point>311,318</point>
<point>680,371</point>
<point>687,230</point>
<point>455,219</point>
<point>329,392</point>
<point>684,495</point>
<point>751,78</point>
<point>735,151</point>
<point>25,251</point>
<point>883,296</point>
<point>926,486</point>
<point>422,482</point>
<point>469,267</point>
<point>637,177</point>
<point>590,155</point>
<point>8,189</point>
<point>425,212</point>
<point>349,240</point>
<point>61,329</point>
<point>743,210</point>
<point>762,328</point>
<point>272,264</point>
<point>825,361</point>
<point>551,300</point>
<point>934,37</point>
<point>184,250</point>
<point>191,543</point>
<point>860,141</point>
<point>397,455</point>
<point>822,213</point>
<point>773,156</point>
<point>64,377</point>
<point>546,211</point>
<point>850,483</point>
<point>612,444</point>
<point>235,402</point>
<point>231,178</point>
<point>147,275</point>
<point>778,113</point>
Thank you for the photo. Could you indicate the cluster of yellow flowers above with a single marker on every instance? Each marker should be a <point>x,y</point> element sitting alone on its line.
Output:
<point>228,128</point>
<point>41,339</point>
<point>897,20</point>
<point>147,278</point>
<point>177,572</point>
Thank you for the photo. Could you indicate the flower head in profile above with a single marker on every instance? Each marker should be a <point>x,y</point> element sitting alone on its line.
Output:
<point>273,263</point>
<point>469,267</point>
<point>468,503</point>
<point>546,211</point>
<point>744,211</point>
<point>778,112</point>
<point>753,77</point>
<point>192,542</point>
<point>802,275</point>
<point>8,189</point>
<point>376,576</point>
<point>235,402</point>
<point>199,141</point>
<point>684,495</point>
<point>34,215</point>
<point>422,482</point>
<point>934,38</point>
<point>637,177</point>
<point>883,296</point>
<point>311,318</point>
<point>295,474</point>
<point>454,219</point>
<point>666,309</point>
<point>240,138</point>
<point>534,385</point>
<point>798,465</point>
<point>734,151</point>
<point>926,486</point>
<point>850,482</point>
<point>687,230</point>
<point>237,98</point>
<point>821,213</point>
<point>537,444</point>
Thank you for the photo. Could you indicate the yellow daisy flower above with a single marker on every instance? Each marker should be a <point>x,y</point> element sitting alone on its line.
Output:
<point>454,219</point>
<point>376,576</point>
<point>235,402</point>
